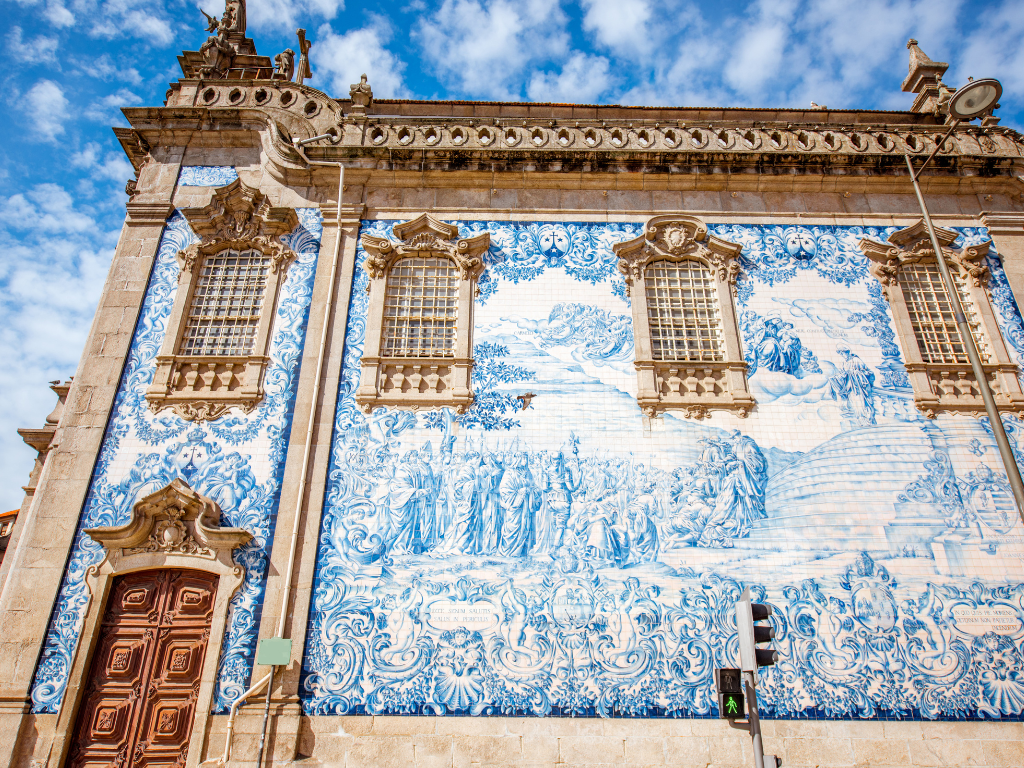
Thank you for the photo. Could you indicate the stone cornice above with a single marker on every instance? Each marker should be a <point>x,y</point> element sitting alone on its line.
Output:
<point>1003,223</point>
<point>302,112</point>
<point>148,213</point>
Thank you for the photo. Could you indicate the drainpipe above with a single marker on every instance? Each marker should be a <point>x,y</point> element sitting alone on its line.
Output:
<point>307,448</point>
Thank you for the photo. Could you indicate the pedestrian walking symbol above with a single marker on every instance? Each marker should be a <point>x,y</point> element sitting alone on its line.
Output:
<point>732,705</point>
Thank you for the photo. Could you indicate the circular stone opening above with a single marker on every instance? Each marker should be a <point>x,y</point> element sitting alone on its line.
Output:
<point>209,96</point>
<point>261,96</point>
<point>310,108</point>
<point>287,98</point>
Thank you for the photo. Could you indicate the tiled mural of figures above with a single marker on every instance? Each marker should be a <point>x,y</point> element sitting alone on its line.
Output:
<point>237,460</point>
<point>550,551</point>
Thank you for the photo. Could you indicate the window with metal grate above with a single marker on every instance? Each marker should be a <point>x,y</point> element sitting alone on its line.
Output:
<point>421,308</point>
<point>932,316</point>
<point>225,309</point>
<point>683,312</point>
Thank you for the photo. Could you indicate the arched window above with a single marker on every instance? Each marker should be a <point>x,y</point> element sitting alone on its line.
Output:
<point>938,369</point>
<point>421,308</point>
<point>680,282</point>
<point>224,313</point>
<point>419,324</point>
<point>682,310</point>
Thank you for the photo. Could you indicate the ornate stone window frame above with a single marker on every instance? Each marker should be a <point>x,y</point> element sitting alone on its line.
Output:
<point>420,382</point>
<point>694,387</point>
<point>205,387</point>
<point>945,387</point>
<point>175,527</point>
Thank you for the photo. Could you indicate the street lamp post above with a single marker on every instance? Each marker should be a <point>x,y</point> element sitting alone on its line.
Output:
<point>975,99</point>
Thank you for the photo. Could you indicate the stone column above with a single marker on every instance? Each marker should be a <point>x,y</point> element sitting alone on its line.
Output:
<point>283,730</point>
<point>48,530</point>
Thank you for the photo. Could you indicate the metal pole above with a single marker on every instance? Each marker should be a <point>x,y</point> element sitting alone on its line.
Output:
<point>755,723</point>
<point>266,717</point>
<point>967,338</point>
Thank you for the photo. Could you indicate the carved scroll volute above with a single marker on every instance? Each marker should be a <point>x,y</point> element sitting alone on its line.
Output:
<point>912,245</point>
<point>426,236</point>
<point>175,520</point>
<point>676,238</point>
<point>239,217</point>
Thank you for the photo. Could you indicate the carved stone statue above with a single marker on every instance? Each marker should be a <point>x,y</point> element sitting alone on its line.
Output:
<point>217,54</point>
<point>234,16</point>
<point>285,65</point>
<point>362,96</point>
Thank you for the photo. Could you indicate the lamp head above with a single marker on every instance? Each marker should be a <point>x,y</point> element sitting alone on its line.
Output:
<point>975,99</point>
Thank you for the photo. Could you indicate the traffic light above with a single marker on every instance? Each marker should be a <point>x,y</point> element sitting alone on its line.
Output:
<point>751,633</point>
<point>731,704</point>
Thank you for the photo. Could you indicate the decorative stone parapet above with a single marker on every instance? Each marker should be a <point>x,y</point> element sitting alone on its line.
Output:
<point>695,388</point>
<point>203,388</point>
<point>951,388</point>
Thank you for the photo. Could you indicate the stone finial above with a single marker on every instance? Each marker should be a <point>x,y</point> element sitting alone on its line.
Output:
<point>361,95</point>
<point>924,78</point>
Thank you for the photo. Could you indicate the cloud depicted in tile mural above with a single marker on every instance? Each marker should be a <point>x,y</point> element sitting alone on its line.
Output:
<point>559,554</point>
<point>237,461</point>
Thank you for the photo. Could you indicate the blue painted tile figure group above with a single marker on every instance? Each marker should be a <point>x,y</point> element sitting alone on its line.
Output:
<point>561,554</point>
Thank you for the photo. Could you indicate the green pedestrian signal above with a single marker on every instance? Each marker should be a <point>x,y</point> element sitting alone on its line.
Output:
<point>730,693</point>
<point>732,705</point>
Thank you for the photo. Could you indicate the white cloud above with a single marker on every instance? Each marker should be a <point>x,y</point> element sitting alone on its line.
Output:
<point>55,261</point>
<point>995,50</point>
<point>104,68</point>
<point>113,166</point>
<point>45,208</point>
<point>54,12</point>
<point>286,15</point>
<point>138,18</point>
<point>102,109</point>
<point>38,50</point>
<point>622,25</point>
<point>582,80</point>
<point>339,61</point>
<point>47,109</point>
<point>483,47</point>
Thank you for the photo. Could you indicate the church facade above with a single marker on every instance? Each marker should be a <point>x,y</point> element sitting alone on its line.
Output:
<point>485,414</point>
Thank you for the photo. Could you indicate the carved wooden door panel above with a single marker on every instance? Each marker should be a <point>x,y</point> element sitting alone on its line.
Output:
<point>142,688</point>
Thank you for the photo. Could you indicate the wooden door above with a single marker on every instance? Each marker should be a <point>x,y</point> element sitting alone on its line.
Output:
<point>142,687</point>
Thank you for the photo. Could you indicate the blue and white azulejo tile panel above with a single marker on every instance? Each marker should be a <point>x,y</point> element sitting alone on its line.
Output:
<point>206,175</point>
<point>572,558</point>
<point>237,461</point>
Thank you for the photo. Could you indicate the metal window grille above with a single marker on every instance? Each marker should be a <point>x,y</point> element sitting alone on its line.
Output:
<point>421,308</point>
<point>225,308</point>
<point>682,309</point>
<point>932,316</point>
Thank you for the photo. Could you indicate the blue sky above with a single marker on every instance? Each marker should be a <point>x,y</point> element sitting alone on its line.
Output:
<point>72,64</point>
